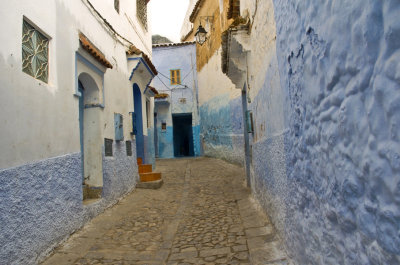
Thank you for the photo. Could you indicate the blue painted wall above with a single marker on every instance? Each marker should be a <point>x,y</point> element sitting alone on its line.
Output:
<point>176,57</point>
<point>326,164</point>
<point>150,148</point>
<point>41,202</point>
<point>221,128</point>
<point>196,140</point>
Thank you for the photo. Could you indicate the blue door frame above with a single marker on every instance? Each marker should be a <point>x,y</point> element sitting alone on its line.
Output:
<point>81,109</point>
<point>137,99</point>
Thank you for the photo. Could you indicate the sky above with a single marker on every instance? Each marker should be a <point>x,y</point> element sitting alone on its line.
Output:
<point>167,17</point>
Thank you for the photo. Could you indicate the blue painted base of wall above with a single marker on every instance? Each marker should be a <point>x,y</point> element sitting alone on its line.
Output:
<point>222,129</point>
<point>41,203</point>
<point>196,140</point>
<point>120,171</point>
<point>150,155</point>
<point>165,142</point>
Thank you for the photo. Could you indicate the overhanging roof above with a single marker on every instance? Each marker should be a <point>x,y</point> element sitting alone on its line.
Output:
<point>93,50</point>
<point>135,51</point>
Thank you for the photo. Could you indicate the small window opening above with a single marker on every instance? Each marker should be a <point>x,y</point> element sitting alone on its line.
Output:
<point>175,77</point>
<point>35,52</point>
<point>108,147</point>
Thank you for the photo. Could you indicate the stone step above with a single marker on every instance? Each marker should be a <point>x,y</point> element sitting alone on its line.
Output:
<point>145,177</point>
<point>156,184</point>
<point>146,168</point>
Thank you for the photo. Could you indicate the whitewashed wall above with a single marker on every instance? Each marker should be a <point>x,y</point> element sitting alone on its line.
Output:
<point>33,113</point>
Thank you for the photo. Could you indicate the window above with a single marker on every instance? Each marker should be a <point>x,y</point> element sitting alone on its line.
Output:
<point>35,52</point>
<point>128,148</point>
<point>119,127</point>
<point>175,77</point>
<point>141,12</point>
<point>163,126</point>
<point>108,144</point>
<point>116,5</point>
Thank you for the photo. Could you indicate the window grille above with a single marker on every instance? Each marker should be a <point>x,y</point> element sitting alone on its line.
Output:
<point>35,52</point>
<point>141,12</point>
<point>175,77</point>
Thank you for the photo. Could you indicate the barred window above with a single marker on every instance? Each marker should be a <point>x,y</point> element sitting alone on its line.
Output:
<point>175,77</point>
<point>141,12</point>
<point>35,52</point>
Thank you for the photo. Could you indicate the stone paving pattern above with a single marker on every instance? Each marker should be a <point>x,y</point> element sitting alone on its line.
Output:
<point>203,214</point>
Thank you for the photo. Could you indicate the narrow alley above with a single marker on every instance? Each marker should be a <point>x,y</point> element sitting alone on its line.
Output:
<point>200,132</point>
<point>203,214</point>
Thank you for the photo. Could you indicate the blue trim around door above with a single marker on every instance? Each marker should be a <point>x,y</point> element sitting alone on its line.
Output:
<point>81,109</point>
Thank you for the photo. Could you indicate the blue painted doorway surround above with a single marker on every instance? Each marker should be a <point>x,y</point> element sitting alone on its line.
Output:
<point>81,109</point>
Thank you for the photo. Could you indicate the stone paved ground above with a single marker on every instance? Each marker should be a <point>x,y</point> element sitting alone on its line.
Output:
<point>203,214</point>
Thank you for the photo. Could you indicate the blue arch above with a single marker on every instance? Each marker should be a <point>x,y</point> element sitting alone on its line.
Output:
<point>137,99</point>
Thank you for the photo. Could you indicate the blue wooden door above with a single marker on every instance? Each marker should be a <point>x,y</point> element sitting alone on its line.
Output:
<point>137,99</point>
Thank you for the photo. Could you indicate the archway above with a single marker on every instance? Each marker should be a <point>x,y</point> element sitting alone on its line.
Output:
<point>138,121</point>
<point>90,137</point>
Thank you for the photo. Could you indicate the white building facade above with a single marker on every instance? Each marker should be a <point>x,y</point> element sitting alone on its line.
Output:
<point>74,106</point>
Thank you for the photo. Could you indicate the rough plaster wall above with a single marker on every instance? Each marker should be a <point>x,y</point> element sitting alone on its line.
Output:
<point>41,203</point>
<point>221,128</point>
<point>221,118</point>
<point>331,180</point>
<point>37,203</point>
<point>120,171</point>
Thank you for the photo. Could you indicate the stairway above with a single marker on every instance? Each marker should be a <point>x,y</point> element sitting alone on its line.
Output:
<point>148,178</point>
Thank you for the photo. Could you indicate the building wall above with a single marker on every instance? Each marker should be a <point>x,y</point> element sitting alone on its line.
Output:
<point>221,118</point>
<point>41,174</point>
<point>165,58</point>
<point>325,152</point>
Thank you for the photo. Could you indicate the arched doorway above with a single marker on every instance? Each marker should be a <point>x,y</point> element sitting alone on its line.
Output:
<point>138,121</point>
<point>90,137</point>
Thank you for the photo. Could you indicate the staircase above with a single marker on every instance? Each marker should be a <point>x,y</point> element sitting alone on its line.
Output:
<point>148,178</point>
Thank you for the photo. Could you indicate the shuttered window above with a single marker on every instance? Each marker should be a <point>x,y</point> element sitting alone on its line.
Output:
<point>175,77</point>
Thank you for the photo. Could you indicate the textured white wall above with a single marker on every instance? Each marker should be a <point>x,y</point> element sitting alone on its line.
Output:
<point>40,120</point>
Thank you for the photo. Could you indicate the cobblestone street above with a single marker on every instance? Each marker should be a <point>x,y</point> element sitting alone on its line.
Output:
<point>203,214</point>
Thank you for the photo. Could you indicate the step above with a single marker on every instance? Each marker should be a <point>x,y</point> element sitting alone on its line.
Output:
<point>139,161</point>
<point>156,184</point>
<point>145,177</point>
<point>146,168</point>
